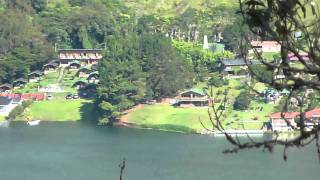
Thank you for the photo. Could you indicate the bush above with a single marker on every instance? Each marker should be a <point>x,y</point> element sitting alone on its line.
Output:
<point>242,102</point>
<point>26,104</point>
<point>16,112</point>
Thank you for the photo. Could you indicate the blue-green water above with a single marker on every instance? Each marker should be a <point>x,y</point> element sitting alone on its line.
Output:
<point>77,151</point>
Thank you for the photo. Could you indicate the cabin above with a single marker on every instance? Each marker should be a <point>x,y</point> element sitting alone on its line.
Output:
<point>6,87</point>
<point>19,83</point>
<point>79,84</point>
<point>7,104</point>
<point>193,98</point>
<point>93,77</point>
<point>49,67</point>
<point>265,46</point>
<point>84,56</point>
<point>235,67</point>
<point>283,121</point>
<point>84,72</point>
<point>74,65</point>
<point>35,76</point>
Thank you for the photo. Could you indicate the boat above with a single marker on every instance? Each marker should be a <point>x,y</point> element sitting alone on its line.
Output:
<point>33,123</point>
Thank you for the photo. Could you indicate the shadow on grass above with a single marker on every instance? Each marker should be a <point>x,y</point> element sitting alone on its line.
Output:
<point>88,112</point>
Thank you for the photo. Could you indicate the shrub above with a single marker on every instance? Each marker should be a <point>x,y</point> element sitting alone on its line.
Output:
<point>16,112</point>
<point>242,102</point>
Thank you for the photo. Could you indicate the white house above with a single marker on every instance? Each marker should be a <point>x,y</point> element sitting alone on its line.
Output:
<point>283,121</point>
<point>265,46</point>
<point>7,105</point>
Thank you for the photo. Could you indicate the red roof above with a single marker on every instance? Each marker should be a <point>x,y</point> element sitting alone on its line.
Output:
<point>312,113</point>
<point>287,115</point>
<point>26,96</point>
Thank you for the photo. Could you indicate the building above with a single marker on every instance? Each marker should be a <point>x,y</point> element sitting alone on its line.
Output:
<point>283,121</point>
<point>303,55</point>
<point>193,98</point>
<point>93,77</point>
<point>35,76</point>
<point>84,56</point>
<point>7,104</point>
<point>236,67</point>
<point>84,72</point>
<point>214,47</point>
<point>313,117</point>
<point>5,87</point>
<point>265,46</point>
<point>50,67</point>
<point>18,83</point>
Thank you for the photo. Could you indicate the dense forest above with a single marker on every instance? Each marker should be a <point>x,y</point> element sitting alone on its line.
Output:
<point>152,48</point>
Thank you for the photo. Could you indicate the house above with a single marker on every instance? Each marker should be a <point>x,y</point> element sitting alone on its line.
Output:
<point>303,55</point>
<point>271,95</point>
<point>236,67</point>
<point>283,121</point>
<point>79,84</point>
<point>74,65</point>
<point>50,67</point>
<point>18,83</point>
<point>83,72</point>
<point>93,77</point>
<point>7,104</point>
<point>313,117</point>
<point>5,87</point>
<point>84,56</point>
<point>265,46</point>
<point>193,98</point>
<point>35,76</point>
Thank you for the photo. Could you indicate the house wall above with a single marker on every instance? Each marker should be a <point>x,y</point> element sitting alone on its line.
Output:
<point>279,124</point>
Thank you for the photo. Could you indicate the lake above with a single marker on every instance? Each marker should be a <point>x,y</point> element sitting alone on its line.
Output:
<point>80,151</point>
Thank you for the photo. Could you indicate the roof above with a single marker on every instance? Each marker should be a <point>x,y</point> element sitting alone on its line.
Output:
<point>20,80</point>
<point>75,62</point>
<point>287,115</point>
<point>35,72</point>
<point>312,113</point>
<point>197,91</point>
<point>6,85</point>
<point>51,64</point>
<point>5,101</point>
<point>303,55</point>
<point>238,62</point>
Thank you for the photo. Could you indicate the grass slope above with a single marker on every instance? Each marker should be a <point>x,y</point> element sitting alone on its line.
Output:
<point>2,118</point>
<point>166,117</point>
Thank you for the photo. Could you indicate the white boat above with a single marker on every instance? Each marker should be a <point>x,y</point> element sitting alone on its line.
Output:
<point>33,123</point>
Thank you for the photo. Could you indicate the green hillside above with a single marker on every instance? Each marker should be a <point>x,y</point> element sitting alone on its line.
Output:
<point>175,7</point>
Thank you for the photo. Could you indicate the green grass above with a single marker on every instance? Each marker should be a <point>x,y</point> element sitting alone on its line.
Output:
<point>166,117</point>
<point>61,110</point>
<point>2,118</point>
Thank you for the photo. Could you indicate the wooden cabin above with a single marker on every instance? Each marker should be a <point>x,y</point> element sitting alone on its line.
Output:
<point>35,76</point>
<point>19,83</point>
<point>193,98</point>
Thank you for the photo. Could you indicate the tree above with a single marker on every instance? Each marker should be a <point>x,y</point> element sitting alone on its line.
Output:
<point>278,21</point>
<point>242,101</point>
<point>217,81</point>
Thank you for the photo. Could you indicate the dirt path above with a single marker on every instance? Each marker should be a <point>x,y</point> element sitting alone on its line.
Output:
<point>61,73</point>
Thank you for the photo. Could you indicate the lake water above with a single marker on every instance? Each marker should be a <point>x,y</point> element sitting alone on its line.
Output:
<point>78,151</point>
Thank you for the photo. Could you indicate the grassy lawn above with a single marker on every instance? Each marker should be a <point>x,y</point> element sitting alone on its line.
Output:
<point>61,110</point>
<point>2,118</point>
<point>166,117</point>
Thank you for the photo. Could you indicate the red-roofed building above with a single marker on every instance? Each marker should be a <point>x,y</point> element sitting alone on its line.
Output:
<point>26,96</point>
<point>279,121</point>
<point>303,55</point>
<point>313,116</point>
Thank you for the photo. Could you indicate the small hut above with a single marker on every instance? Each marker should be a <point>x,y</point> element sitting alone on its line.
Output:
<point>79,84</point>
<point>5,87</point>
<point>93,77</point>
<point>84,72</point>
<point>74,65</point>
<point>18,83</point>
<point>50,67</point>
<point>35,76</point>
